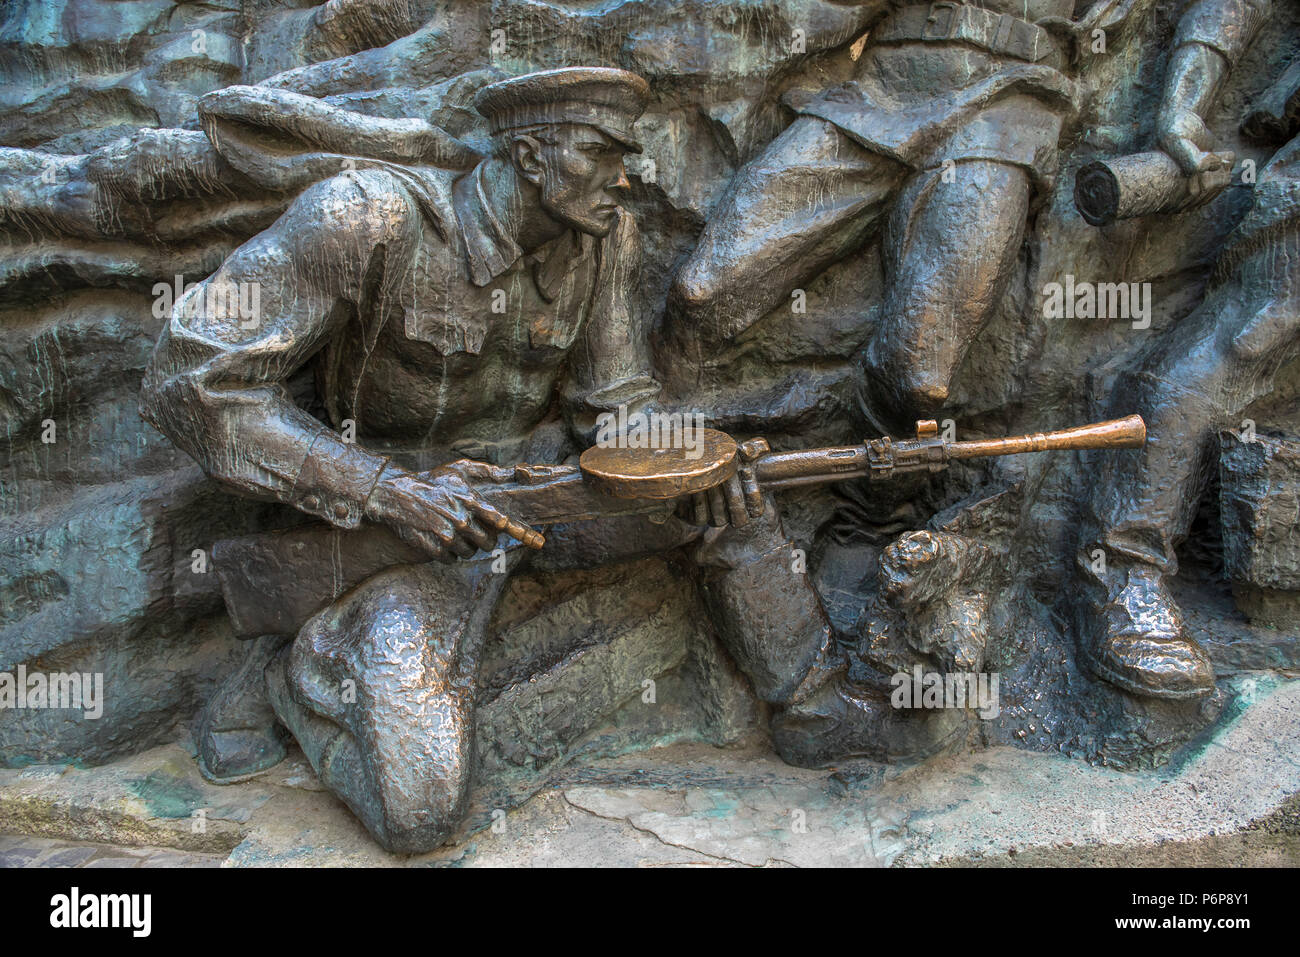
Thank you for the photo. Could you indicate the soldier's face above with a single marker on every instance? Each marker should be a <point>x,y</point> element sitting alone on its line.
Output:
<point>581,170</point>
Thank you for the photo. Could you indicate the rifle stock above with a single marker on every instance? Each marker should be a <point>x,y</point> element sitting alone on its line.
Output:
<point>273,581</point>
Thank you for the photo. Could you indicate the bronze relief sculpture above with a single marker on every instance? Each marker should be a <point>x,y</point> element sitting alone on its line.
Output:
<point>1199,378</point>
<point>942,141</point>
<point>464,353</point>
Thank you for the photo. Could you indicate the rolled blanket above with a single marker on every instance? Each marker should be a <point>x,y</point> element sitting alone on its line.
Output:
<point>1275,115</point>
<point>1144,183</point>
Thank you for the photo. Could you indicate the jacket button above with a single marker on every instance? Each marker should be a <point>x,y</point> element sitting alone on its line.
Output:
<point>340,510</point>
<point>311,501</point>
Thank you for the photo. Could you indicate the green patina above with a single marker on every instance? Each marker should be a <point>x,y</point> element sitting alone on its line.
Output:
<point>1246,690</point>
<point>166,796</point>
<point>723,806</point>
<point>20,761</point>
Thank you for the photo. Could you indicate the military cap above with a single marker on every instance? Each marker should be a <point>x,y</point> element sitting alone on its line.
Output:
<point>606,98</point>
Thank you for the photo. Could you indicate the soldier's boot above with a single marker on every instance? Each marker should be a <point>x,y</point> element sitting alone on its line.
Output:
<point>1132,634</point>
<point>379,690</point>
<point>842,720</point>
<point>772,622</point>
<point>237,733</point>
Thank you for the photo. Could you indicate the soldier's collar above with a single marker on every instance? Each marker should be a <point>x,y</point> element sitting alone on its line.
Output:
<point>553,262</point>
<point>488,245</point>
<point>491,251</point>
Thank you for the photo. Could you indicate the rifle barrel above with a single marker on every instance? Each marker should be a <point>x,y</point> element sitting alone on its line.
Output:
<point>780,470</point>
<point>1129,432</point>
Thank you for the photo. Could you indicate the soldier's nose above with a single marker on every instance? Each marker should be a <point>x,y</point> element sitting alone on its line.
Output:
<point>620,181</point>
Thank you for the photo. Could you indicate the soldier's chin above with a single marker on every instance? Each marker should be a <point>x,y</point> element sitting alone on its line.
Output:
<point>597,223</point>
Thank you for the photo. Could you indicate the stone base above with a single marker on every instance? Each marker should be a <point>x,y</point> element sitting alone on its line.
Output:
<point>1271,607</point>
<point>1228,798</point>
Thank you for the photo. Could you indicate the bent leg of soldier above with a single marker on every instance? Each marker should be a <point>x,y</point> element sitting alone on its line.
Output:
<point>948,250</point>
<point>810,198</point>
<point>1200,378</point>
<point>772,622</point>
<point>379,689</point>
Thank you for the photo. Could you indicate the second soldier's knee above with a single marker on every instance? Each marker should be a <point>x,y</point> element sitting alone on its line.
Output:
<point>918,385</point>
<point>924,392</point>
<point>694,291</point>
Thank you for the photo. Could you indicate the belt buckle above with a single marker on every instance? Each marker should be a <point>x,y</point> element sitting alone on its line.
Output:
<point>930,31</point>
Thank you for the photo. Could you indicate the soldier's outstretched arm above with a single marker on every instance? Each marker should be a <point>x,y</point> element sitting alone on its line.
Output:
<point>216,384</point>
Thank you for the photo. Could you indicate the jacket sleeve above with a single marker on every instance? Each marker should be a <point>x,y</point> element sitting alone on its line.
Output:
<point>1226,26</point>
<point>216,383</point>
<point>610,365</point>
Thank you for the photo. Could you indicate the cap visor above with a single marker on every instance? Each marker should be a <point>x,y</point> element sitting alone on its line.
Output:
<point>622,138</point>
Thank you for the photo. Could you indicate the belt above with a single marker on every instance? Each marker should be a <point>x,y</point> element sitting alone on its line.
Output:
<point>949,22</point>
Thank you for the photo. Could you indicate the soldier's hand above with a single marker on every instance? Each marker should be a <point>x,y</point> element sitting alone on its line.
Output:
<point>1186,138</point>
<point>720,506</point>
<point>735,501</point>
<point>475,474</point>
<point>439,511</point>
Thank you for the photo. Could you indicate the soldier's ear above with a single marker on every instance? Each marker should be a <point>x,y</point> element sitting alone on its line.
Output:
<point>526,151</point>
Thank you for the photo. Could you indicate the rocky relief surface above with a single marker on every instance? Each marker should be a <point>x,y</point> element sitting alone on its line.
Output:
<point>144,141</point>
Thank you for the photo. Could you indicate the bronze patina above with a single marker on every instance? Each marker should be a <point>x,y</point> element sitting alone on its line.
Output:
<point>328,331</point>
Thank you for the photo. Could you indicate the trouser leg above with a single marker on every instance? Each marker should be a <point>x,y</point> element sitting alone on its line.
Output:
<point>754,585</point>
<point>772,622</point>
<point>1199,378</point>
<point>770,619</point>
<point>810,198</point>
<point>237,732</point>
<point>949,249</point>
<point>379,690</point>
<point>766,611</point>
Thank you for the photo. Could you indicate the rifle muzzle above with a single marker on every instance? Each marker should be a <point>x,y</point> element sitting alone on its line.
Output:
<point>1129,432</point>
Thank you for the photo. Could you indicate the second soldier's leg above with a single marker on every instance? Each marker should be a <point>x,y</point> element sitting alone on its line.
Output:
<point>1200,377</point>
<point>771,620</point>
<point>238,733</point>
<point>949,249</point>
<point>810,198</point>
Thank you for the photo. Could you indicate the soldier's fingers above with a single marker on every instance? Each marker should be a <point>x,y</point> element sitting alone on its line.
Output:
<point>491,517</point>
<point>1203,137</point>
<point>429,544</point>
<point>1182,149</point>
<point>435,522</point>
<point>753,494</point>
<point>463,548</point>
<point>717,507</point>
<point>468,530</point>
<point>442,524</point>
<point>504,523</point>
<point>480,536</point>
<point>700,508</point>
<point>736,510</point>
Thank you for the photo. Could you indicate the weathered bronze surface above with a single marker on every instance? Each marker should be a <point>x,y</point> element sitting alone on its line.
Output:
<point>885,458</point>
<point>662,473</point>
<point>331,336</point>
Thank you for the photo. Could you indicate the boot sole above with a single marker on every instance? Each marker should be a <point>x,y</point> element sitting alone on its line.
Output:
<point>234,778</point>
<point>1102,673</point>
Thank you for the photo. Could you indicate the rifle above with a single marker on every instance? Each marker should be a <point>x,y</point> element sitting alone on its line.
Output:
<point>274,581</point>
